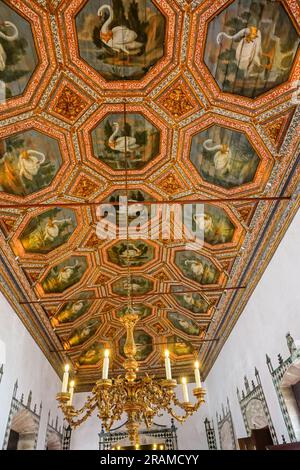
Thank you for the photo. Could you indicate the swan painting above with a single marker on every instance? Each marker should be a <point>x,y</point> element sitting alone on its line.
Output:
<point>48,230</point>
<point>225,158</point>
<point>53,228</point>
<point>133,254</point>
<point>196,267</point>
<point>122,144</point>
<point>64,275</point>
<point>193,302</point>
<point>119,38</point>
<point>130,144</point>
<point>137,285</point>
<point>204,222</point>
<point>251,47</point>
<point>30,162</point>
<point>18,53</point>
<point>248,51</point>
<point>70,312</point>
<point>12,36</point>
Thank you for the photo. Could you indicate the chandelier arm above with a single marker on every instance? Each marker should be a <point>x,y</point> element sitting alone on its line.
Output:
<point>72,415</point>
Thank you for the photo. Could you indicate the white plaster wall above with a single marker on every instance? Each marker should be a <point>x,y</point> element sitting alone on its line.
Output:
<point>272,311</point>
<point>26,363</point>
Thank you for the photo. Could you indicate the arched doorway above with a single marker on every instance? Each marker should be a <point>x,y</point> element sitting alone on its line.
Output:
<point>54,441</point>
<point>23,431</point>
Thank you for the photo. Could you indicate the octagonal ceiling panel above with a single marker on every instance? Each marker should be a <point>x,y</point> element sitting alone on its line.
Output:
<point>121,39</point>
<point>251,47</point>
<point>64,275</point>
<point>134,254</point>
<point>110,132</point>
<point>203,125</point>
<point>197,267</point>
<point>245,53</point>
<point>224,157</point>
<point>193,302</point>
<point>113,137</point>
<point>218,227</point>
<point>72,310</point>
<point>83,333</point>
<point>30,162</point>
<point>92,355</point>
<point>47,231</point>
<point>143,311</point>
<point>139,285</point>
<point>179,347</point>
<point>184,324</point>
<point>18,57</point>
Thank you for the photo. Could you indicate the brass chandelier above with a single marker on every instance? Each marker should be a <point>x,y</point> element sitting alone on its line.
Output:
<point>140,398</point>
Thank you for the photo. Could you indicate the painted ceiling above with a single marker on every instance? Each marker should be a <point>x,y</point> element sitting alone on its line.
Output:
<point>211,92</point>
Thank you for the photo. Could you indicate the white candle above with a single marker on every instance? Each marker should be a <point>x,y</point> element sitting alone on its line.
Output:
<point>185,391</point>
<point>168,365</point>
<point>197,375</point>
<point>64,388</point>
<point>105,365</point>
<point>71,392</point>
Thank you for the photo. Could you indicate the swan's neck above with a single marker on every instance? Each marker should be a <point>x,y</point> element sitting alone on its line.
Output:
<point>12,37</point>
<point>106,25</point>
<point>112,137</point>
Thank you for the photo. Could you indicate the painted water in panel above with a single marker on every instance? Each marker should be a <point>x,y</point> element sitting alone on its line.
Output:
<point>224,157</point>
<point>18,58</point>
<point>136,135</point>
<point>29,162</point>
<point>121,39</point>
<point>251,46</point>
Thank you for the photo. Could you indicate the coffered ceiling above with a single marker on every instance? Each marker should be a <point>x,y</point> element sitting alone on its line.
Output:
<point>209,91</point>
